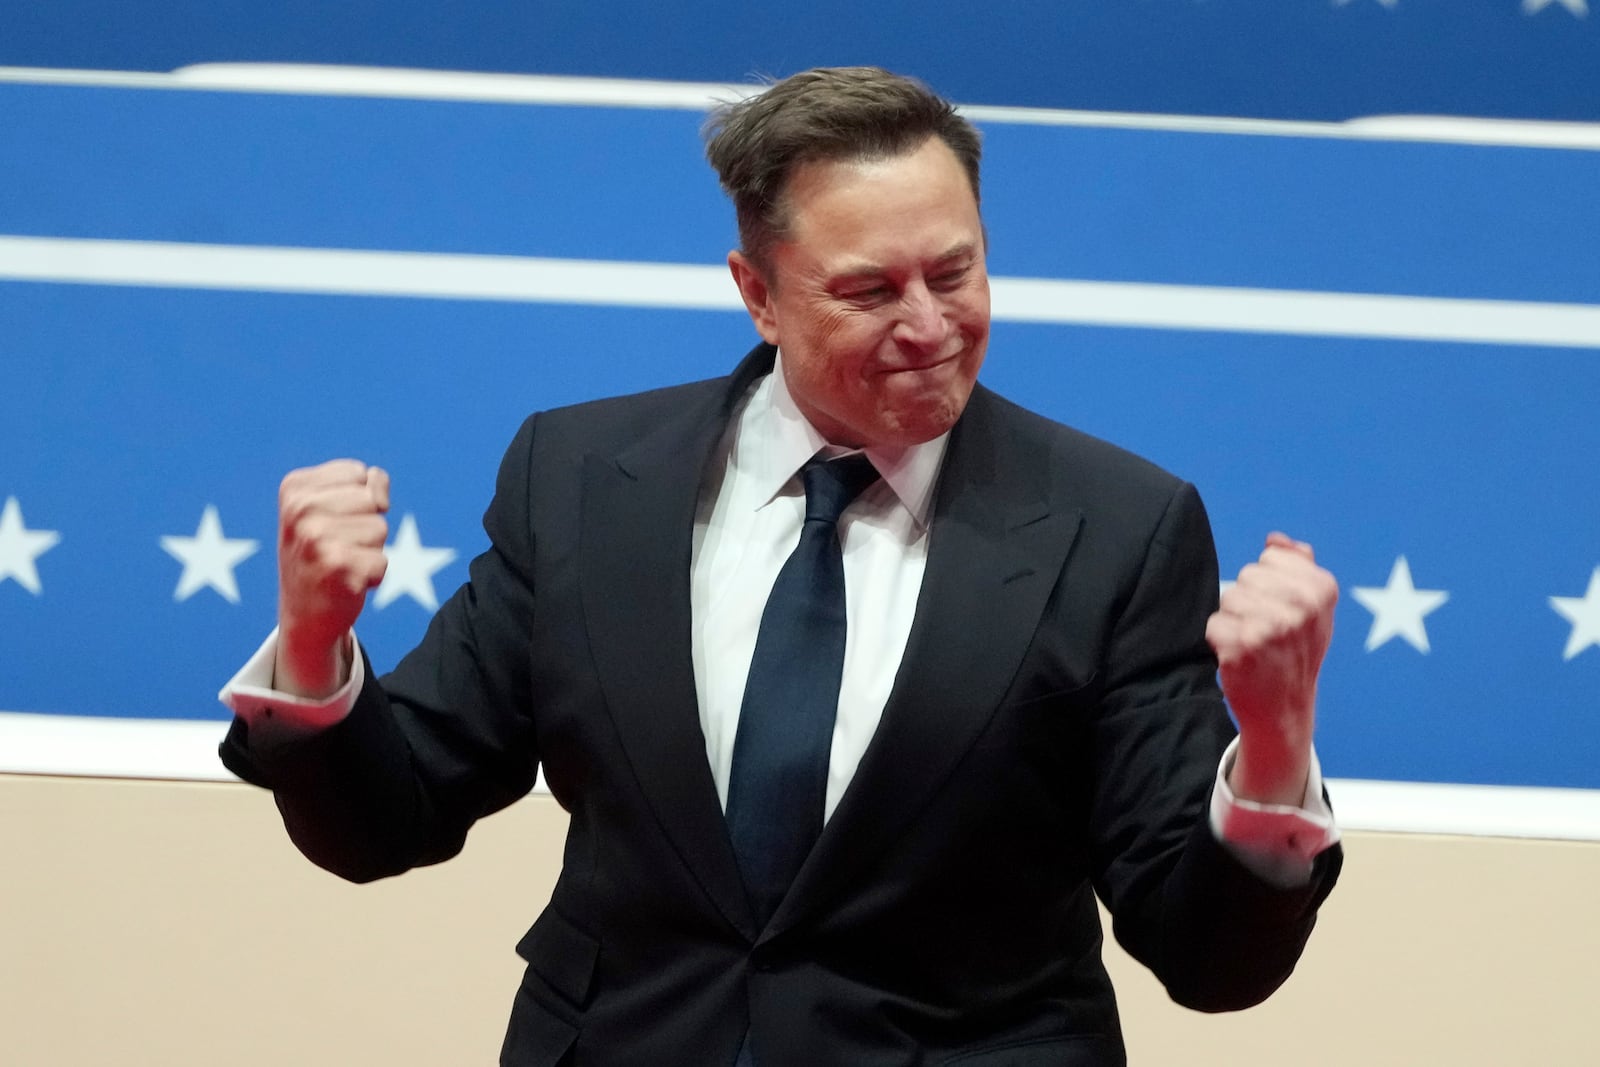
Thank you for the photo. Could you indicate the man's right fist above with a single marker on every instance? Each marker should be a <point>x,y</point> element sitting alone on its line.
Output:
<point>331,533</point>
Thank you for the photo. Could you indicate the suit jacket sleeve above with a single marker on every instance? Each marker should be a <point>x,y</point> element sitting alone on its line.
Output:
<point>1218,937</point>
<point>443,740</point>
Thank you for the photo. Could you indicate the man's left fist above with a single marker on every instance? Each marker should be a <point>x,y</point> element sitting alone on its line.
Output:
<point>1270,635</point>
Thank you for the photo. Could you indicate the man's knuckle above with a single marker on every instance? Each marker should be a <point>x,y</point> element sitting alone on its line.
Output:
<point>330,556</point>
<point>316,528</point>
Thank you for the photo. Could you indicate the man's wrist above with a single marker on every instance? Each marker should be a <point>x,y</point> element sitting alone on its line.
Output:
<point>1270,771</point>
<point>1278,842</point>
<point>313,667</point>
<point>274,714</point>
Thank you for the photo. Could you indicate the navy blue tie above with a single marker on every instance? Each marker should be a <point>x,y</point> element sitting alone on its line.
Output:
<point>780,755</point>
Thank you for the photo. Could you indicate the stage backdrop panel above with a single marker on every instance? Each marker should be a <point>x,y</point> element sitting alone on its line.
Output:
<point>1291,59</point>
<point>1388,348</point>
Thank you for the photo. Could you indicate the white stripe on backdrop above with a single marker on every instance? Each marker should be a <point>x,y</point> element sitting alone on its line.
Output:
<point>186,750</point>
<point>348,272</point>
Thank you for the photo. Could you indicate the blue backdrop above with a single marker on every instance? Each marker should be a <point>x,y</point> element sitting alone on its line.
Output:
<point>126,411</point>
<point>1321,59</point>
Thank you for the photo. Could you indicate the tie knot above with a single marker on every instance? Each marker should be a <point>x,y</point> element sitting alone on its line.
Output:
<point>832,484</point>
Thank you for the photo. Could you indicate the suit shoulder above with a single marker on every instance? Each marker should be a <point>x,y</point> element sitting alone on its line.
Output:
<point>632,408</point>
<point>1128,504</point>
<point>1087,461</point>
<point>612,423</point>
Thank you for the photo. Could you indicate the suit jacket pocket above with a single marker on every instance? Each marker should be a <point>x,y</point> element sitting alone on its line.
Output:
<point>563,955</point>
<point>1084,1050</point>
<point>1034,694</point>
<point>536,1036</point>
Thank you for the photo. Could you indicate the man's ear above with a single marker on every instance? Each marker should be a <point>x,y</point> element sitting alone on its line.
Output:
<point>757,295</point>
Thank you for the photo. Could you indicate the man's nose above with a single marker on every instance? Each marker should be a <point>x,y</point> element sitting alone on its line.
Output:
<point>922,323</point>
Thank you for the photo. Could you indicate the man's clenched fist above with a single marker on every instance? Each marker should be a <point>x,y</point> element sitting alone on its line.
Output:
<point>331,533</point>
<point>1270,634</point>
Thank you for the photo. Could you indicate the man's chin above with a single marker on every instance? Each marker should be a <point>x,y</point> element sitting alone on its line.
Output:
<point>909,425</point>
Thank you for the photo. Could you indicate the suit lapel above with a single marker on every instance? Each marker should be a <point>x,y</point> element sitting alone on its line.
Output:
<point>996,550</point>
<point>637,539</point>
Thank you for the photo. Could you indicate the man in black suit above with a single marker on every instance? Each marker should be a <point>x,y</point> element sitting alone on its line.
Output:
<point>1025,677</point>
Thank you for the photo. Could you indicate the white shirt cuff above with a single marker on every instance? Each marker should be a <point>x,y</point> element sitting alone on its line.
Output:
<point>277,716</point>
<point>1278,842</point>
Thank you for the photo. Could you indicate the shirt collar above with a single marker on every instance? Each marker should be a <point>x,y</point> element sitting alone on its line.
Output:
<point>775,440</point>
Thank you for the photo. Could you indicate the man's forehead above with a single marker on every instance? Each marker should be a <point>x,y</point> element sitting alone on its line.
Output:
<point>919,182</point>
<point>809,167</point>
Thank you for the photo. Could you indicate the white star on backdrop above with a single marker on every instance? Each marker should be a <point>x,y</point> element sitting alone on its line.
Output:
<point>1584,615</point>
<point>1399,608</point>
<point>208,558</point>
<point>411,567</point>
<point>1580,8</point>
<point>20,547</point>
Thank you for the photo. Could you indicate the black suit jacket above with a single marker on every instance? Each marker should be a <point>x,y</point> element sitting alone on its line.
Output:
<point>1053,732</point>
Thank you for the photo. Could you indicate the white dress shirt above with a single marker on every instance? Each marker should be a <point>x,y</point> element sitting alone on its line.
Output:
<point>752,506</point>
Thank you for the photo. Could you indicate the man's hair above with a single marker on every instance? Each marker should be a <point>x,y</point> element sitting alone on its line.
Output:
<point>826,114</point>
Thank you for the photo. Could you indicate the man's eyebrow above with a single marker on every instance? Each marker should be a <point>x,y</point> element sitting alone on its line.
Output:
<point>867,269</point>
<point>963,250</point>
<point>852,271</point>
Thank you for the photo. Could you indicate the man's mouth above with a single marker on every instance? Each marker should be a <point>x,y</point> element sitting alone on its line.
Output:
<point>925,365</point>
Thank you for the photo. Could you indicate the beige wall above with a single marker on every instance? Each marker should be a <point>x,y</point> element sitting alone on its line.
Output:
<point>171,924</point>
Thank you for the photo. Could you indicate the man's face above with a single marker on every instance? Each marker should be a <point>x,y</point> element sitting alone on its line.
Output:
<point>878,296</point>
